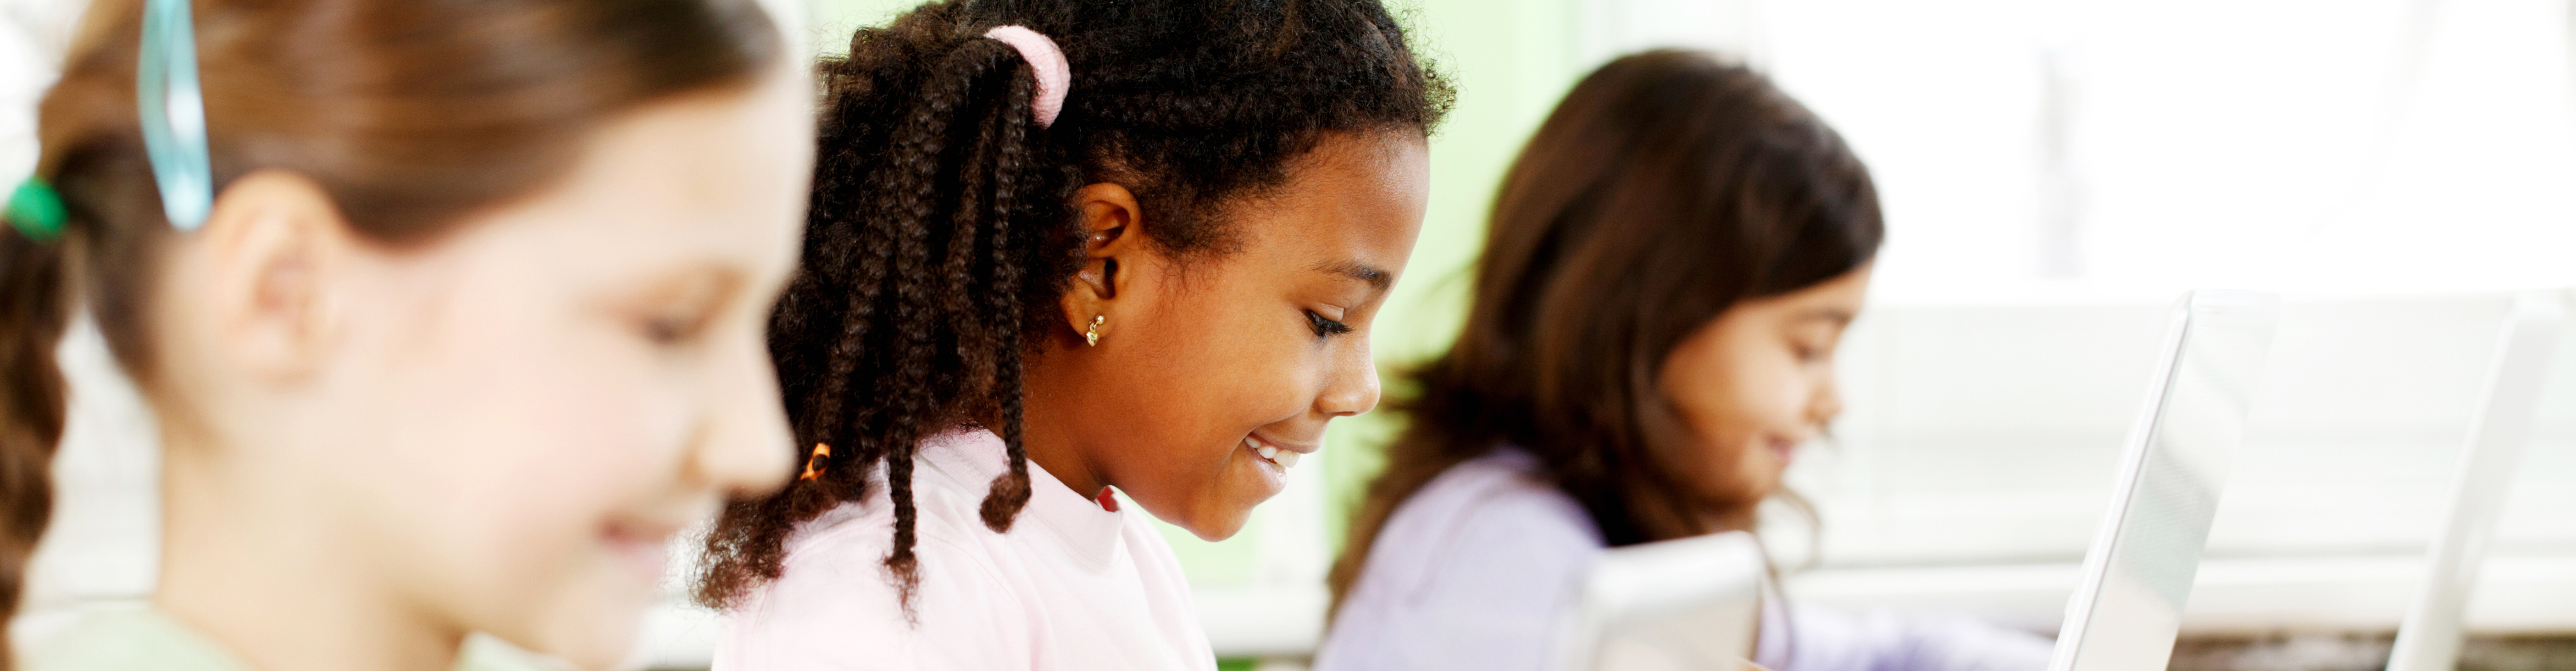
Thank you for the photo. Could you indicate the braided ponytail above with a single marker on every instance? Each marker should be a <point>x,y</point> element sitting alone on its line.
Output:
<point>32,314</point>
<point>924,302</point>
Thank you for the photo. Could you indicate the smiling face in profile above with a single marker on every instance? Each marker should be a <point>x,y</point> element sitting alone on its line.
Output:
<point>1216,372</point>
<point>1757,382</point>
<point>585,374</point>
<point>496,430</point>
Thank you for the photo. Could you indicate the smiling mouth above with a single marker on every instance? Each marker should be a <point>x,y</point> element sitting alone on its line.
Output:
<point>1282,458</point>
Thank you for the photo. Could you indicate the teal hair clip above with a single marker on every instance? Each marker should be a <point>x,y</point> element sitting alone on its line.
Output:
<point>174,113</point>
<point>36,211</point>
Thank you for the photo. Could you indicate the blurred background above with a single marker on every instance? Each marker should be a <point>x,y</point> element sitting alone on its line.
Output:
<point>2055,173</point>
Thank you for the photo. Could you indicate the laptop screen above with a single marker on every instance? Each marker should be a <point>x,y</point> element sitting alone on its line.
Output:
<point>2138,573</point>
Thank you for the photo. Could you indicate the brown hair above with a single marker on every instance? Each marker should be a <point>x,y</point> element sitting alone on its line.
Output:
<point>410,114</point>
<point>942,227</point>
<point>1664,189</point>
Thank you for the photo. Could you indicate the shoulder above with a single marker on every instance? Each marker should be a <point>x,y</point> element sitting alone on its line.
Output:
<point>135,639</point>
<point>1492,510</point>
<point>835,605</point>
<point>1474,571</point>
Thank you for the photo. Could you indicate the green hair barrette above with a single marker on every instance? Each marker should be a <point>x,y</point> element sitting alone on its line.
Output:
<point>36,211</point>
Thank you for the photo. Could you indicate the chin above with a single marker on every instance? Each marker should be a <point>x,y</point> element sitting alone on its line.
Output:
<point>595,628</point>
<point>1219,525</point>
<point>598,648</point>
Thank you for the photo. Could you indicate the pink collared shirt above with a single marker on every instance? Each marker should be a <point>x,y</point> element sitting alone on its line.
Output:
<point>1071,586</point>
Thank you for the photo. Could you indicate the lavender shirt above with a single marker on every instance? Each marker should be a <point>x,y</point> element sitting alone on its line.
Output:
<point>1476,570</point>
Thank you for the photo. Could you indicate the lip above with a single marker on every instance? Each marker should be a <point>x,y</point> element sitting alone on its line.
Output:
<point>641,545</point>
<point>1784,450</point>
<point>1274,477</point>
<point>1297,447</point>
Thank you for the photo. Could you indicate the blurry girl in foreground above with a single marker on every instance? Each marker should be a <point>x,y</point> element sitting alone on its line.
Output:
<point>465,325</point>
<point>1671,263</point>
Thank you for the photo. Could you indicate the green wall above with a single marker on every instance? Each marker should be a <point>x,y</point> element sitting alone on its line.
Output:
<point>1510,60</point>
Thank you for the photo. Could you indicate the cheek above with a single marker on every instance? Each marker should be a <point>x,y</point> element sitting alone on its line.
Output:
<point>536,427</point>
<point>1229,368</point>
<point>1774,391</point>
<point>1734,401</point>
<point>1708,392</point>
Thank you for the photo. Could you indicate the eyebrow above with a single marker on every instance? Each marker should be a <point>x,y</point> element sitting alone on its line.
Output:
<point>1376,278</point>
<point>1836,315</point>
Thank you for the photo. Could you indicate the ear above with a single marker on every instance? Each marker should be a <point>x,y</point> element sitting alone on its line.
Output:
<point>270,250</point>
<point>1112,227</point>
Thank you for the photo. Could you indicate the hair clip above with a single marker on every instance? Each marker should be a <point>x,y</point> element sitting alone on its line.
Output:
<point>173,111</point>
<point>36,211</point>
<point>1055,77</point>
<point>814,464</point>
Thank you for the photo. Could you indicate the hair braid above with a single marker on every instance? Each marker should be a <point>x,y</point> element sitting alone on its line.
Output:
<point>33,313</point>
<point>919,148</point>
<point>1010,492</point>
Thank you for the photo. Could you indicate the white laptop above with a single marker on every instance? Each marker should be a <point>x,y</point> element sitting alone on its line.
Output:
<point>1680,605</point>
<point>2128,609</point>
<point>2429,638</point>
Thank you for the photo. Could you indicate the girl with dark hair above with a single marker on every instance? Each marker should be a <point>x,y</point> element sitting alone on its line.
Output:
<point>450,312</point>
<point>1059,248</point>
<point>1671,263</point>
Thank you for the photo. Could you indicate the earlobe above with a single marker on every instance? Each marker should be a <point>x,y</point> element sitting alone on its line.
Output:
<point>268,251</point>
<point>1086,305</point>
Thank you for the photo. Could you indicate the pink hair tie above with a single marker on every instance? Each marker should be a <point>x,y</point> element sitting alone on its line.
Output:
<point>1054,76</point>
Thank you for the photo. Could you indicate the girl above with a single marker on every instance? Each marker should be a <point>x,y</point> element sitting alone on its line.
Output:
<point>1059,248</point>
<point>447,330</point>
<point>1672,261</point>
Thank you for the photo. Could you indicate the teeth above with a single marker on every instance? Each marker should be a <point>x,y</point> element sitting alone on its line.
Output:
<point>1271,453</point>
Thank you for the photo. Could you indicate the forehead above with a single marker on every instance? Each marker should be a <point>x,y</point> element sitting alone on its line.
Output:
<point>716,175</point>
<point>1835,300</point>
<point>1354,199</point>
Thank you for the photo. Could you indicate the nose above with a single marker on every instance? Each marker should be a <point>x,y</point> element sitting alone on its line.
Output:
<point>746,449</point>
<point>1828,401</point>
<point>1351,387</point>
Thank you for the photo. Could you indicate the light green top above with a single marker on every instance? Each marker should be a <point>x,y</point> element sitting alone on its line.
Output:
<point>142,639</point>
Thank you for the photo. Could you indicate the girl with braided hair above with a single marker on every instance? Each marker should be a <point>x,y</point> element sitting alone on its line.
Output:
<point>1059,248</point>
<point>450,312</point>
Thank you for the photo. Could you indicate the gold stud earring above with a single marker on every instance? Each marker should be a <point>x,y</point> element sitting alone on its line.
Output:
<point>1092,335</point>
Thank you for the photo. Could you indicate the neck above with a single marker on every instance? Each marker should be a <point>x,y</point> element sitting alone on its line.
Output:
<point>1046,426</point>
<point>255,565</point>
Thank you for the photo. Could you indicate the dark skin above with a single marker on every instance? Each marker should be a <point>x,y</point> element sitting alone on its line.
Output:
<point>1206,360</point>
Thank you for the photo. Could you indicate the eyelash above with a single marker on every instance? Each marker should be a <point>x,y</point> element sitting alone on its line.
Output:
<point>1326,327</point>
<point>669,330</point>
<point>1810,353</point>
